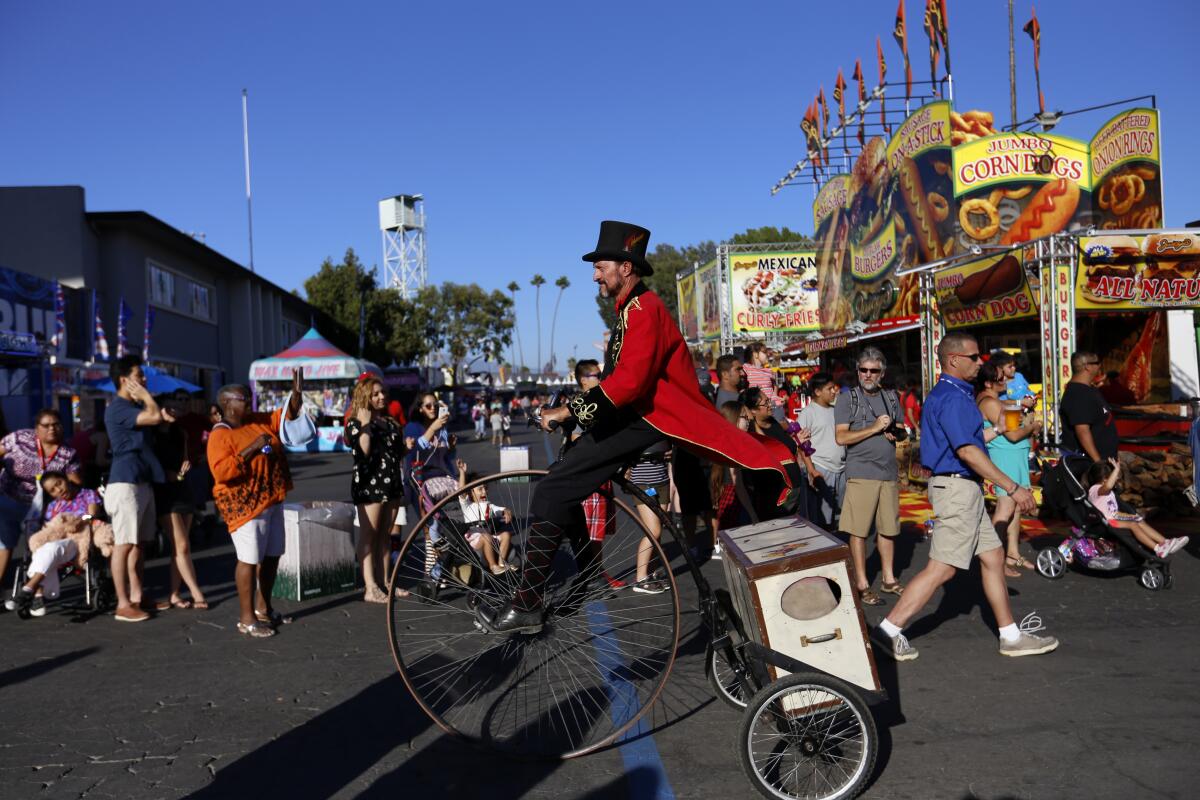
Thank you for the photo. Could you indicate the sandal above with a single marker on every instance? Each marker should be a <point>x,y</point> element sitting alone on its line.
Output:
<point>869,598</point>
<point>255,630</point>
<point>274,618</point>
<point>200,605</point>
<point>1010,566</point>
<point>896,588</point>
<point>167,605</point>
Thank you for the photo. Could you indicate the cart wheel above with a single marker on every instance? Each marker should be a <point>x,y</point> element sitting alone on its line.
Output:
<point>808,736</point>
<point>1051,564</point>
<point>723,680</point>
<point>596,667</point>
<point>1153,579</point>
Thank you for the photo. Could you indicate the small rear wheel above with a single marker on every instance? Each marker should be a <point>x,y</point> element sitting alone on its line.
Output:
<point>1051,564</point>
<point>723,680</point>
<point>808,735</point>
<point>1152,578</point>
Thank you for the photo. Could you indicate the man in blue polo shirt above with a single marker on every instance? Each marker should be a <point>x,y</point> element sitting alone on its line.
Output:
<point>952,449</point>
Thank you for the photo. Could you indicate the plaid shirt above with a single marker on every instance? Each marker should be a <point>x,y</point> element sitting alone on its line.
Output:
<point>600,513</point>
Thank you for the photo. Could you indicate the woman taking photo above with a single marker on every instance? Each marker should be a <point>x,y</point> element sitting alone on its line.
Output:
<point>431,458</point>
<point>377,487</point>
<point>1008,448</point>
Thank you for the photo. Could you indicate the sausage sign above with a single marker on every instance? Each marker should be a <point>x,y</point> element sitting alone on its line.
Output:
<point>981,292</point>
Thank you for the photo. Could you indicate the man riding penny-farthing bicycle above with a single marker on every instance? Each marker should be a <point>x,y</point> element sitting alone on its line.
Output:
<point>648,391</point>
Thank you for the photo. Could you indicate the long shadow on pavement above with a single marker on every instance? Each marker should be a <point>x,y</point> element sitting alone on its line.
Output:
<point>42,666</point>
<point>322,756</point>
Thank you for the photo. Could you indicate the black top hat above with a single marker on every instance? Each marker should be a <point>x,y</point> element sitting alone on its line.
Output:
<point>622,241</point>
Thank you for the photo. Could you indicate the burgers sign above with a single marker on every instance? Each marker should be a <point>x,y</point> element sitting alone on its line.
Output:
<point>1160,270</point>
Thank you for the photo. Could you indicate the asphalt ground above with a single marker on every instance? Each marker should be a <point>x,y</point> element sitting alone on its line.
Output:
<point>182,706</point>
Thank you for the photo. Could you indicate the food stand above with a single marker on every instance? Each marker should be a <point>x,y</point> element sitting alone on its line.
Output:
<point>329,377</point>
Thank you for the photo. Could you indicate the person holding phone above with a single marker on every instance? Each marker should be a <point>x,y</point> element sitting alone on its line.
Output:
<point>252,479</point>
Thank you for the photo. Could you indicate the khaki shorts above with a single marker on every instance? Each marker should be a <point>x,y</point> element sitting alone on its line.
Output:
<point>130,506</point>
<point>868,501</point>
<point>962,529</point>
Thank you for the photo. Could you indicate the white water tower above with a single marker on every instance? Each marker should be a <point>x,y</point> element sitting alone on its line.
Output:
<point>402,222</point>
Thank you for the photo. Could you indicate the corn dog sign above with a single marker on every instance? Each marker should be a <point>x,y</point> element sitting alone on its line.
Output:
<point>981,292</point>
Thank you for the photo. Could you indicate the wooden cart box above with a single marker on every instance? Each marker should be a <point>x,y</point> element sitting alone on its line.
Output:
<point>791,586</point>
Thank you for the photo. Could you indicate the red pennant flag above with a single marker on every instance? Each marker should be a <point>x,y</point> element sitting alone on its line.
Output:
<point>1035,32</point>
<point>900,34</point>
<point>862,97</point>
<point>943,30</point>
<point>931,32</point>
<point>882,82</point>
<point>839,97</point>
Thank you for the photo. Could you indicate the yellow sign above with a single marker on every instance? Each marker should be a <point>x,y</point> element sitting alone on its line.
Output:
<point>1019,158</point>
<point>1118,273</point>
<point>834,196</point>
<point>926,129</point>
<point>981,292</point>
<point>688,322</point>
<point>708,288</point>
<point>773,291</point>
<point>1127,173</point>
<point>876,257</point>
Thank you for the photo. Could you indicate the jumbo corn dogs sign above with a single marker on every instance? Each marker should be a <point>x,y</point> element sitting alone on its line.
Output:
<point>948,182</point>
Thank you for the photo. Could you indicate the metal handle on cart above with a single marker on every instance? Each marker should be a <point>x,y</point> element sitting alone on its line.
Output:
<point>805,641</point>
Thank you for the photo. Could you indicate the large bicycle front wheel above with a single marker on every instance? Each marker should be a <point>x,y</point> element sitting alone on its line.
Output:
<point>586,679</point>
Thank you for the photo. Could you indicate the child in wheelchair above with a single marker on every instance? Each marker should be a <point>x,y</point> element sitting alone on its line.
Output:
<point>489,526</point>
<point>68,540</point>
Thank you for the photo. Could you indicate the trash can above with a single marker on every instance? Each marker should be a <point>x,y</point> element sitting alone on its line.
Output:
<point>319,557</point>
<point>514,457</point>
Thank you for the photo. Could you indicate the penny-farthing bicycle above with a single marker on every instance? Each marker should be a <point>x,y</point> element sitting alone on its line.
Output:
<point>606,650</point>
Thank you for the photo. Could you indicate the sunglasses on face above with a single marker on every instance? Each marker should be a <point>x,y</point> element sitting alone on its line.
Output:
<point>972,356</point>
<point>869,371</point>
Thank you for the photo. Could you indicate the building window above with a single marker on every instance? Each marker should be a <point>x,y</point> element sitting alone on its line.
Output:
<point>162,286</point>
<point>201,301</point>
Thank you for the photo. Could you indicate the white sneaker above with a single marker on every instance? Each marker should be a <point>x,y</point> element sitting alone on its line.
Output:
<point>895,646</point>
<point>1163,548</point>
<point>1178,543</point>
<point>1028,644</point>
<point>716,552</point>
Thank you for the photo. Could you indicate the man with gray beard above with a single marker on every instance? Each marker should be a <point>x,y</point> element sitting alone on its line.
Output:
<point>862,419</point>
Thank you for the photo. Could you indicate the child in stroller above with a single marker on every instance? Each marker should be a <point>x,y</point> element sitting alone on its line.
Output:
<point>489,526</point>
<point>1093,542</point>
<point>69,538</point>
<point>1102,477</point>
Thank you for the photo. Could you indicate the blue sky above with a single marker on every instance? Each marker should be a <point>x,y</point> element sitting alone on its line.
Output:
<point>523,124</point>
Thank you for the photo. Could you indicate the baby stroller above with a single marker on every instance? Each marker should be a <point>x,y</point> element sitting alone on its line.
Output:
<point>99,594</point>
<point>450,561</point>
<point>1093,543</point>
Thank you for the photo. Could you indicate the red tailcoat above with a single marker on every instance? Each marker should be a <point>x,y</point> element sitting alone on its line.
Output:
<point>649,369</point>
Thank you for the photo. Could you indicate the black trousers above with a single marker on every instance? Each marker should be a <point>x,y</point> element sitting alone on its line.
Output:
<point>591,461</point>
<point>557,502</point>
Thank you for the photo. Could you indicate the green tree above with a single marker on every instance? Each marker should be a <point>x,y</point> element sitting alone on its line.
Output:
<point>771,235</point>
<point>537,281</point>
<point>467,320</point>
<point>394,330</point>
<point>562,283</point>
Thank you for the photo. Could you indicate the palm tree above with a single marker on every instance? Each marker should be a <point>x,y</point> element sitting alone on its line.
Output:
<point>562,284</point>
<point>537,282</point>
<point>513,288</point>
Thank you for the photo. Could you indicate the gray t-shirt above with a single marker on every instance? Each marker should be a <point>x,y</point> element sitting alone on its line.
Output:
<point>724,396</point>
<point>829,456</point>
<point>874,458</point>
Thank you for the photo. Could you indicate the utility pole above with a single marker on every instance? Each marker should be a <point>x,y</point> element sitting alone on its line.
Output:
<point>1012,68</point>
<point>246,153</point>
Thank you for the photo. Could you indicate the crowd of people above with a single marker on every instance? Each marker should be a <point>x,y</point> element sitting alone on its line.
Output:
<point>163,460</point>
